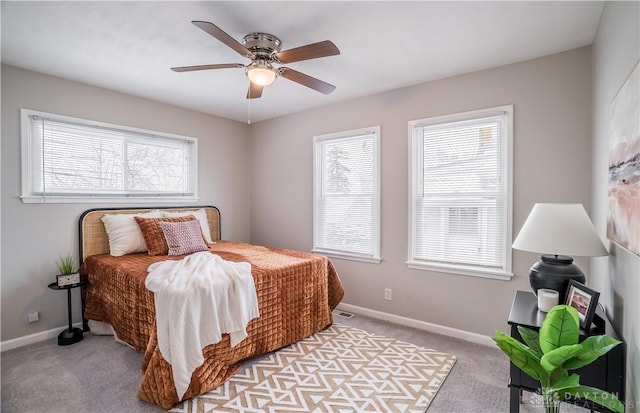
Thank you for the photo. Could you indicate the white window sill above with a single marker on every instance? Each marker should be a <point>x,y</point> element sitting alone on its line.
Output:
<point>346,256</point>
<point>468,271</point>
<point>58,199</point>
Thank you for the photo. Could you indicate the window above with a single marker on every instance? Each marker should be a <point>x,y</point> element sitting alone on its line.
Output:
<point>460,206</point>
<point>346,206</point>
<point>67,159</point>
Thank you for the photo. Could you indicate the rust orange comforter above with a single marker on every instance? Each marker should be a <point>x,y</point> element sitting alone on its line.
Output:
<point>296,293</point>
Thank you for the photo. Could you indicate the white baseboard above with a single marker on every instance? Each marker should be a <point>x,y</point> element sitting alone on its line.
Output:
<point>420,325</point>
<point>33,338</point>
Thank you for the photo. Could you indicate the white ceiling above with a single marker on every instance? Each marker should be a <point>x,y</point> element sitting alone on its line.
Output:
<point>130,46</point>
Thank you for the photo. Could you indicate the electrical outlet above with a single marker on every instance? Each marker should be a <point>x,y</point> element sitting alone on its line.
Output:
<point>33,317</point>
<point>387,294</point>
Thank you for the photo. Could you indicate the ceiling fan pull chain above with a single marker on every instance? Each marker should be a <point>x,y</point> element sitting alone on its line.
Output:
<point>249,112</point>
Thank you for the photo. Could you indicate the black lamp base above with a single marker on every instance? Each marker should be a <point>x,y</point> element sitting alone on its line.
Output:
<point>554,272</point>
<point>70,336</point>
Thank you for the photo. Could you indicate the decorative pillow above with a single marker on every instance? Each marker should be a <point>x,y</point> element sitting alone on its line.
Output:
<point>153,235</point>
<point>200,214</point>
<point>183,237</point>
<point>124,234</point>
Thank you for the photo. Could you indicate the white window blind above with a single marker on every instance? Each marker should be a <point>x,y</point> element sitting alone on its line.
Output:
<point>74,159</point>
<point>461,193</point>
<point>346,195</point>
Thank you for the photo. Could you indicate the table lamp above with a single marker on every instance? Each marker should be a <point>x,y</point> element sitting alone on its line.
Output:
<point>558,231</point>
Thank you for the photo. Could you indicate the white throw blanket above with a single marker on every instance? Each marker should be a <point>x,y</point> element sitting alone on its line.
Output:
<point>198,299</point>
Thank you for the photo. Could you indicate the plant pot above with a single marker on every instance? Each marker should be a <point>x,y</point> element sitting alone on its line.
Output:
<point>64,280</point>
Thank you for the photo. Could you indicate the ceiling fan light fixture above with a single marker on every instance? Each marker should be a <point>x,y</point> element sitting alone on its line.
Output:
<point>261,74</point>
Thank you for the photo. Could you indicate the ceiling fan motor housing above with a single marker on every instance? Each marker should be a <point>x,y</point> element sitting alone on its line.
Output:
<point>264,45</point>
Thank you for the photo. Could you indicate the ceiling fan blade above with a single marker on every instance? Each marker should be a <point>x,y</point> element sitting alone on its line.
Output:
<point>207,67</point>
<point>310,51</point>
<point>306,80</point>
<point>219,34</point>
<point>255,91</point>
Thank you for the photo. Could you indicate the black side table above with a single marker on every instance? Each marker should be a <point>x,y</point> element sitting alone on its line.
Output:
<point>606,373</point>
<point>71,335</point>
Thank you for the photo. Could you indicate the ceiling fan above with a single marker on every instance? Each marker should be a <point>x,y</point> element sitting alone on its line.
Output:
<point>264,49</point>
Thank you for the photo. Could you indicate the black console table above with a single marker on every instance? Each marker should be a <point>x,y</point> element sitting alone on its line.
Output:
<point>71,335</point>
<point>605,373</point>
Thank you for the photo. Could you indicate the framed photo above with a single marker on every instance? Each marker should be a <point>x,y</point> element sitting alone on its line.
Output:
<point>584,300</point>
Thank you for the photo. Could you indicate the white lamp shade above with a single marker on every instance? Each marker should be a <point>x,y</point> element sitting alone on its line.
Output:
<point>560,229</point>
<point>261,75</point>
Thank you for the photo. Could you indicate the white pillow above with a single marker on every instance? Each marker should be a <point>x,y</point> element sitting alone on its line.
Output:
<point>124,233</point>
<point>200,214</point>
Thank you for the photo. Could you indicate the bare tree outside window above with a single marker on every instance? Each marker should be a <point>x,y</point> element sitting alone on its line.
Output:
<point>338,180</point>
<point>155,168</point>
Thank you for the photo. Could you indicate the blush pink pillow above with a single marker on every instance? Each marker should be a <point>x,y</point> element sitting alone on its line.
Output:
<point>183,237</point>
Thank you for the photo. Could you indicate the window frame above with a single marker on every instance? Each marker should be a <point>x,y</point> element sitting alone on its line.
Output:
<point>506,272</point>
<point>374,257</point>
<point>30,156</point>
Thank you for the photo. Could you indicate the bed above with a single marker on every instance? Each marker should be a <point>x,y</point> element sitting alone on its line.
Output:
<point>296,293</point>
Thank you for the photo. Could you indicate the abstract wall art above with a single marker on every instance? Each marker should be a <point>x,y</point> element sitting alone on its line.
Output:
<point>623,221</point>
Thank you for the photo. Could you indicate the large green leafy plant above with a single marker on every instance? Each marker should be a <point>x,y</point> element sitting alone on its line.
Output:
<point>549,355</point>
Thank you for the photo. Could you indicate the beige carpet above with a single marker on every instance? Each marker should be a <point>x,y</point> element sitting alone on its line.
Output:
<point>341,369</point>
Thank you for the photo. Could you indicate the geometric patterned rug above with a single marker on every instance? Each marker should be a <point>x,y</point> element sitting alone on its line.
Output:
<point>340,369</point>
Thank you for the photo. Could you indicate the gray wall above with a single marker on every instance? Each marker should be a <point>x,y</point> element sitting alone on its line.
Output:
<point>35,235</point>
<point>552,163</point>
<point>616,52</point>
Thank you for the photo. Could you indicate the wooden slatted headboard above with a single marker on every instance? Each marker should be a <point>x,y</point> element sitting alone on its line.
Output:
<point>93,237</point>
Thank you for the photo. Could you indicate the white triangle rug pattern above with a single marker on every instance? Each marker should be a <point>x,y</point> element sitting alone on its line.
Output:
<point>340,369</point>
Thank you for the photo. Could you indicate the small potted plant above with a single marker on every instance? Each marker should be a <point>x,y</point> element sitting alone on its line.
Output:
<point>67,274</point>
<point>550,354</point>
